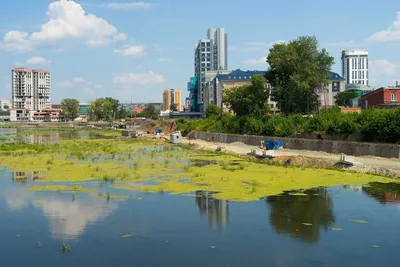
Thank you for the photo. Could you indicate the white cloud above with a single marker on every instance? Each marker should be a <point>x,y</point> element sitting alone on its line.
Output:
<point>382,72</point>
<point>98,86</point>
<point>163,59</point>
<point>78,80</point>
<point>16,41</point>
<point>129,6</point>
<point>131,51</point>
<point>37,61</point>
<point>139,78</point>
<point>259,61</point>
<point>391,34</point>
<point>66,20</point>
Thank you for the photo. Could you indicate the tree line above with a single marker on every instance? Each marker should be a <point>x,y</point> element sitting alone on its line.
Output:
<point>104,109</point>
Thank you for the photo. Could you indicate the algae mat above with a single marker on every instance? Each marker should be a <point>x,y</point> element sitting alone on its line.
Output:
<point>158,167</point>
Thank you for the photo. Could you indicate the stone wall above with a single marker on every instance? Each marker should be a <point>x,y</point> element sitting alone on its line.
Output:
<point>330,146</point>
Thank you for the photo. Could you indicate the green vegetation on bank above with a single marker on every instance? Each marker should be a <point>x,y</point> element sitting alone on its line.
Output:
<point>155,166</point>
<point>373,125</point>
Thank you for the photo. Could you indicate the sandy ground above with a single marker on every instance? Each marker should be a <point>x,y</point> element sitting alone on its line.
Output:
<point>367,162</point>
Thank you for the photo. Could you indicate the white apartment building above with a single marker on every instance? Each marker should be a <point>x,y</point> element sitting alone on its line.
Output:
<point>30,89</point>
<point>211,54</point>
<point>355,66</point>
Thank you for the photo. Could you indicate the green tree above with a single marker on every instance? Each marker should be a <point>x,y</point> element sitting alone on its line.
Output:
<point>173,107</point>
<point>104,109</point>
<point>212,111</point>
<point>149,112</point>
<point>345,98</point>
<point>249,99</point>
<point>297,68</point>
<point>70,107</point>
<point>123,112</point>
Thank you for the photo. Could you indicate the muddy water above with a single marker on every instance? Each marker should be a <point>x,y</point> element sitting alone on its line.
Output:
<point>105,226</point>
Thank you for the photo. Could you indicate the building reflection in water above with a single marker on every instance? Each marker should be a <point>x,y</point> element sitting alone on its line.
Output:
<point>383,193</point>
<point>24,177</point>
<point>301,216</point>
<point>216,210</point>
<point>40,138</point>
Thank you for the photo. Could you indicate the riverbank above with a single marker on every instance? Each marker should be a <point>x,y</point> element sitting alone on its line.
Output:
<point>309,159</point>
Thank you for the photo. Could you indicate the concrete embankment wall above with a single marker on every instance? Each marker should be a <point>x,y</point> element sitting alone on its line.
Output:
<point>329,146</point>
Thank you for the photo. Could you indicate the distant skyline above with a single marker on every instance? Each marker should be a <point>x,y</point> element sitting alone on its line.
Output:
<point>127,49</point>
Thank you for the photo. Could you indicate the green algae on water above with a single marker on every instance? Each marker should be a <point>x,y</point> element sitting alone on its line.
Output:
<point>157,167</point>
<point>127,235</point>
<point>55,188</point>
<point>359,221</point>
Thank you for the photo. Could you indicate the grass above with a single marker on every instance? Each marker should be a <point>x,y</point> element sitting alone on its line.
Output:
<point>65,247</point>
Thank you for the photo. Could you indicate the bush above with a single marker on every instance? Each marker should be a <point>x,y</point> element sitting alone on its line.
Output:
<point>373,125</point>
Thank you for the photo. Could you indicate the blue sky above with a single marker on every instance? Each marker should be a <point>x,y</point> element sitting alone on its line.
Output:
<point>128,49</point>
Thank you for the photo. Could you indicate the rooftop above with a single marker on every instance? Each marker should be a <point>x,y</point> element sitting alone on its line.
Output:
<point>334,76</point>
<point>240,75</point>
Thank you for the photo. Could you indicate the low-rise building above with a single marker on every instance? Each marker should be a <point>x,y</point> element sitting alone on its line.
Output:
<point>327,93</point>
<point>384,97</point>
<point>232,79</point>
<point>20,115</point>
<point>84,109</point>
<point>44,115</point>
<point>47,115</point>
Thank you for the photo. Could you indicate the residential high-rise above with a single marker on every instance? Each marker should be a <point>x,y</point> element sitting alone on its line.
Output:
<point>355,66</point>
<point>30,89</point>
<point>211,54</point>
<point>172,97</point>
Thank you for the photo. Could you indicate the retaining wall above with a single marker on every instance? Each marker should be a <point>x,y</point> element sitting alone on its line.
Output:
<point>330,146</point>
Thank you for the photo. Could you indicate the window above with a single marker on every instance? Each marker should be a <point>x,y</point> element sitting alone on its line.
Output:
<point>394,97</point>
<point>335,86</point>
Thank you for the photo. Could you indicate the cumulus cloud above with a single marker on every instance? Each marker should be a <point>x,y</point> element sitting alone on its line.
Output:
<point>139,78</point>
<point>131,51</point>
<point>253,61</point>
<point>383,72</point>
<point>66,20</point>
<point>37,61</point>
<point>391,34</point>
<point>128,6</point>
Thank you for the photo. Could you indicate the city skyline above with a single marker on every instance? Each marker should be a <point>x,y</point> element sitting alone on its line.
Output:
<point>124,61</point>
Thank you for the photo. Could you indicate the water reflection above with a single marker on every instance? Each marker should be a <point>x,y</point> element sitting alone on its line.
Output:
<point>68,218</point>
<point>24,177</point>
<point>288,213</point>
<point>383,193</point>
<point>216,210</point>
<point>40,138</point>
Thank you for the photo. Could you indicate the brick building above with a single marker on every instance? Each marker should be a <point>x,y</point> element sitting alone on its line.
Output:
<point>382,98</point>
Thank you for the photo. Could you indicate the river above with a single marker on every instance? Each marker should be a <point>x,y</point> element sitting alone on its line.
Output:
<point>334,226</point>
